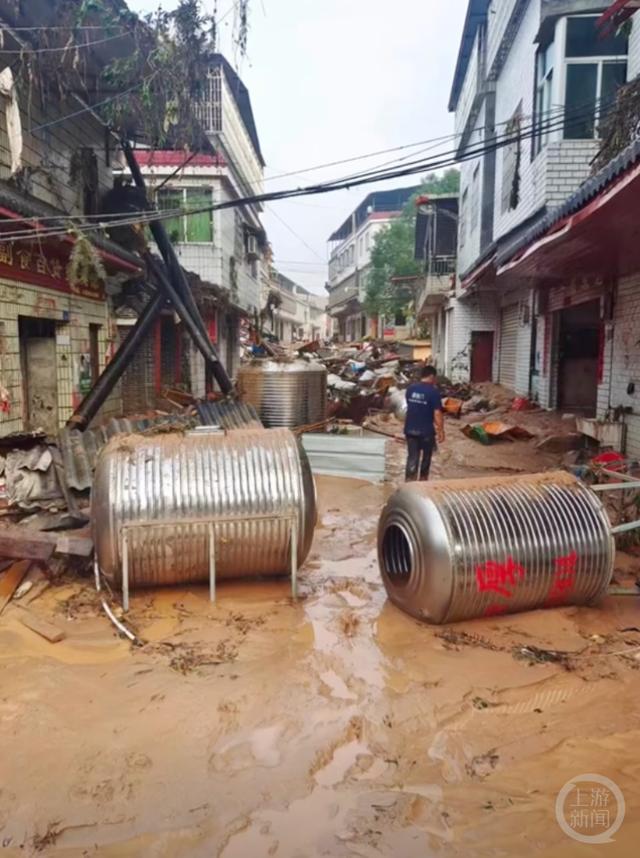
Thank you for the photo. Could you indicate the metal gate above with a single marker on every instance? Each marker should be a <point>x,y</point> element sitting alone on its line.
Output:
<point>509,345</point>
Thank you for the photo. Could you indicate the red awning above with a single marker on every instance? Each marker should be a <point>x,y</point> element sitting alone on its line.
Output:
<point>616,14</point>
<point>602,239</point>
<point>175,158</point>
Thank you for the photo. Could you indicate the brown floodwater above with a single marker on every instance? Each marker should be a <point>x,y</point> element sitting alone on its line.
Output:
<point>332,726</point>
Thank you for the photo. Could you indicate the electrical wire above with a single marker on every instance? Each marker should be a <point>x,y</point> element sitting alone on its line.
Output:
<point>92,107</point>
<point>367,177</point>
<point>28,50</point>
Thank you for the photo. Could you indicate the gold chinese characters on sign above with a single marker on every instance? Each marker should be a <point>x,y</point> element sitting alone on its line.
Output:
<point>49,270</point>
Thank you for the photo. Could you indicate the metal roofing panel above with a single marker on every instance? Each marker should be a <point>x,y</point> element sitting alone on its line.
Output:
<point>229,415</point>
<point>346,456</point>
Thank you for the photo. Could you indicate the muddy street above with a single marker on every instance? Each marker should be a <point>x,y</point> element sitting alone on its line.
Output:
<point>332,726</point>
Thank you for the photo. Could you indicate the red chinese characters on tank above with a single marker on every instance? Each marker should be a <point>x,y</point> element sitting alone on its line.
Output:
<point>503,579</point>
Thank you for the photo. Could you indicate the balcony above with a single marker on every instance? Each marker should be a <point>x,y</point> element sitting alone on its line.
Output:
<point>439,282</point>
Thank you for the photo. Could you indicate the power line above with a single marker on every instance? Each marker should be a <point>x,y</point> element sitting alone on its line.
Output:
<point>355,180</point>
<point>93,107</point>
<point>28,50</point>
<point>293,232</point>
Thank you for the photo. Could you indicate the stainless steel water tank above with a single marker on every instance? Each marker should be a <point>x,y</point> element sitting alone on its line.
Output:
<point>165,489</point>
<point>285,393</point>
<point>460,549</point>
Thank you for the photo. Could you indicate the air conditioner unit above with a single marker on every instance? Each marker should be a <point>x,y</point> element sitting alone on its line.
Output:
<point>253,251</point>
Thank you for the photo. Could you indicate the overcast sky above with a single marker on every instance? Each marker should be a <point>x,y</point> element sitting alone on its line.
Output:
<point>332,79</point>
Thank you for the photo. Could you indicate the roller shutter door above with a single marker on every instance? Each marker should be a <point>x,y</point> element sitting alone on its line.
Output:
<point>509,318</point>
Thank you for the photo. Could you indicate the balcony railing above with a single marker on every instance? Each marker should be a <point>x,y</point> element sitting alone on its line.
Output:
<point>440,265</point>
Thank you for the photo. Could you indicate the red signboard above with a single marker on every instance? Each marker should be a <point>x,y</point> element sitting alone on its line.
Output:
<point>40,265</point>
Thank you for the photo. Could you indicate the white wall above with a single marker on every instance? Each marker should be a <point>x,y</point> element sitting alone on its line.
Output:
<point>469,249</point>
<point>633,69</point>
<point>622,361</point>
<point>477,312</point>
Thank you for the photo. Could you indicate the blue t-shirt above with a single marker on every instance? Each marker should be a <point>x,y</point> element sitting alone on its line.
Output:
<point>423,400</point>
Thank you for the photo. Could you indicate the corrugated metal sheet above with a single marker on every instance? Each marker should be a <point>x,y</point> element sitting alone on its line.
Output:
<point>229,415</point>
<point>80,450</point>
<point>346,456</point>
<point>509,345</point>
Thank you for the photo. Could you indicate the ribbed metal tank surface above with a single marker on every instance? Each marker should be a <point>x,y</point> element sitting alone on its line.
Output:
<point>285,393</point>
<point>460,549</point>
<point>171,486</point>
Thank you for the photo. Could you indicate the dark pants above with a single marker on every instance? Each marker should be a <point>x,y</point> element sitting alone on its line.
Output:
<point>418,446</point>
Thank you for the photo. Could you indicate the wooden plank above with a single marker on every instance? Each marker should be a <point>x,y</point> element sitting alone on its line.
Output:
<point>41,627</point>
<point>20,543</point>
<point>78,546</point>
<point>11,580</point>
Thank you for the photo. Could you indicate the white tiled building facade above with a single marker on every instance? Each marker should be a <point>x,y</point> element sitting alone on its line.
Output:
<point>522,68</point>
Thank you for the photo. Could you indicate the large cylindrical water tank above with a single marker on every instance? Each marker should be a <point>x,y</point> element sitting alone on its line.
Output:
<point>285,393</point>
<point>166,489</point>
<point>460,549</point>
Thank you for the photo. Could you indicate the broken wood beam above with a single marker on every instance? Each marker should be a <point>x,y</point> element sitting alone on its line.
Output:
<point>41,627</point>
<point>24,544</point>
<point>11,580</point>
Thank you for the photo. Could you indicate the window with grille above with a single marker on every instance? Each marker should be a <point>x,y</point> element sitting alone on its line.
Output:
<point>210,108</point>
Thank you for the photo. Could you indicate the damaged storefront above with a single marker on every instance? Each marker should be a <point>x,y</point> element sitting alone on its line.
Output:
<point>582,266</point>
<point>56,334</point>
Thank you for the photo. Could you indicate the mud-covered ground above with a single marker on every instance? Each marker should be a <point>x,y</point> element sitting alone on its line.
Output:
<point>334,726</point>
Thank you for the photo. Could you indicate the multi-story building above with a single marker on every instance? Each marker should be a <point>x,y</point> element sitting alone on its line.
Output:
<point>226,249</point>
<point>533,81</point>
<point>350,249</point>
<point>547,283</point>
<point>297,315</point>
<point>57,327</point>
<point>436,243</point>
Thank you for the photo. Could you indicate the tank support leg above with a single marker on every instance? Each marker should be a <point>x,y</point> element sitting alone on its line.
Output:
<point>294,557</point>
<point>212,562</point>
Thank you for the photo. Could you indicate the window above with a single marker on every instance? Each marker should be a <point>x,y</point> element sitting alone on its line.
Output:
<point>511,163</point>
<point>595,68</point>
<point>542,103</point>
<point>475,200</point>
<point>187,228</point>
<point>462,219</point>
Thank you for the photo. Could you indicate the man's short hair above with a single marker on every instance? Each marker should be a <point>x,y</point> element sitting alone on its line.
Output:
<point>426,371</point>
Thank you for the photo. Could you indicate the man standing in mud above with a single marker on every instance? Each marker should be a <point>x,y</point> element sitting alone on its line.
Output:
<point>423,424</point>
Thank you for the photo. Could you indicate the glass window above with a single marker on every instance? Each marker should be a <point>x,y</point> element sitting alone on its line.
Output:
<point>584,39</point>
<point>187,228</point>
<point>580,101</point>
<point>542,106</point>
<point>592,78</point>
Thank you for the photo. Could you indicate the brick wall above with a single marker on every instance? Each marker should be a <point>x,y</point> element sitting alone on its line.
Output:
<point>72,316</point>
<point>568,166</point>
<point>48,153</point>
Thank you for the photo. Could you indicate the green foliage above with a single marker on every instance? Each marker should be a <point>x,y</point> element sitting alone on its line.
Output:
<point>85,266</point>
<point>151,92</point>
<point>392,255</point>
